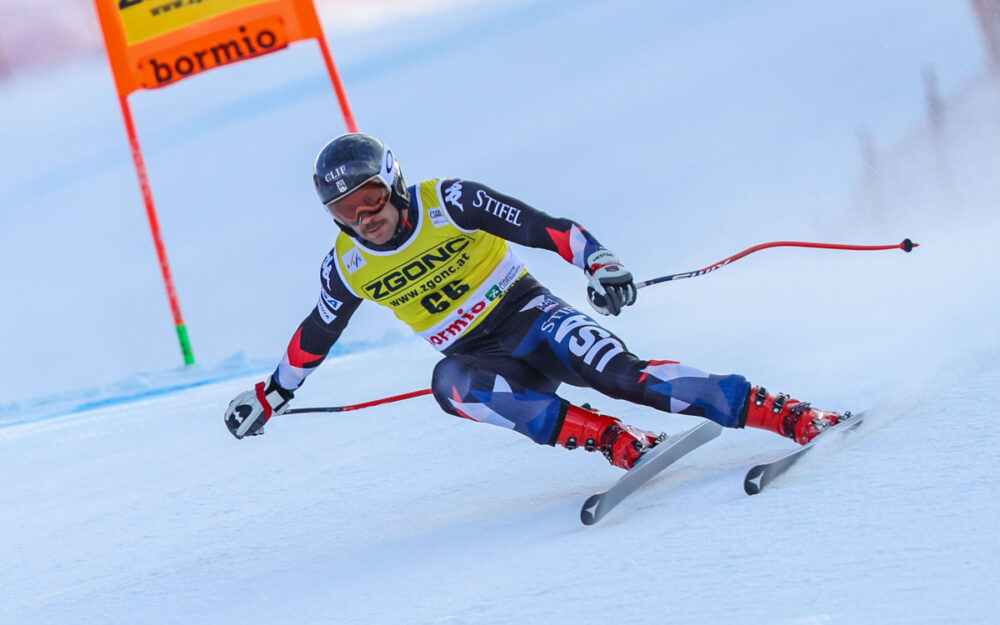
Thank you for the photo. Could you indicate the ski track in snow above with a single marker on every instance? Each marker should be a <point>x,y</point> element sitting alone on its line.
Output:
<point>148,511</point>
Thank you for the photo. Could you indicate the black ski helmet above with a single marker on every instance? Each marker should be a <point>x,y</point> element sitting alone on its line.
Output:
<point>353,159</point>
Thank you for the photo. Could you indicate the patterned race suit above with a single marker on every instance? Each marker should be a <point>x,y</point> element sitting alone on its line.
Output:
<point>508,341</point>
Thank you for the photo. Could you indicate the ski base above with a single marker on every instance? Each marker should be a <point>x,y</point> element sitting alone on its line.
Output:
<point>649,465</point>
<point>763,474</point>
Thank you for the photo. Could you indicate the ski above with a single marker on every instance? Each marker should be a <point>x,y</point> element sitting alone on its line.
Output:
<point>763,474</point>
<point>650,464</point>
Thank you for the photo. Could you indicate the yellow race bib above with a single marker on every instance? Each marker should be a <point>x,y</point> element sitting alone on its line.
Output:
<point>443,281</point>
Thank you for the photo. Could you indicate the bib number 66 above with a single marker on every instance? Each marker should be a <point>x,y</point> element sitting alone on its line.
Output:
<point>435,302</point>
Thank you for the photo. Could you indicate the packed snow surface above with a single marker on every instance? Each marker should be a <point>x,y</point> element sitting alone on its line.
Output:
<point>678,133</point>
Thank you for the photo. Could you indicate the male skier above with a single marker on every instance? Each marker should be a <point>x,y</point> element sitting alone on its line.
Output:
<point>437,255</point>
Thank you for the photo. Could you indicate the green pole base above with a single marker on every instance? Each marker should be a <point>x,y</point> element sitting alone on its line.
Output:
<point>182,336</point>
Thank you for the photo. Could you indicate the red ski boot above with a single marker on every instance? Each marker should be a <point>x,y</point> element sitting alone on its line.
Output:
<point>789,417</point>
<point>621,444</point>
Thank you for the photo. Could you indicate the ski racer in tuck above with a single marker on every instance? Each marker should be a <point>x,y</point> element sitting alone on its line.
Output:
<point>437,255</point>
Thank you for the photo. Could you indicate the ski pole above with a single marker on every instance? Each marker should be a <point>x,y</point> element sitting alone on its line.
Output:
<point>907,245</point>
<point>367,404</point>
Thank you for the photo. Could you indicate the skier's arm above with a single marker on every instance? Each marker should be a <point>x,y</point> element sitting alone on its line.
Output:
<point>310,344</point>
<point>477,207</point>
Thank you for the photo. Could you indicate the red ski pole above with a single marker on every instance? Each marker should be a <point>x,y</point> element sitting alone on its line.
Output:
<point>907,245</point>
<point>367,404</point>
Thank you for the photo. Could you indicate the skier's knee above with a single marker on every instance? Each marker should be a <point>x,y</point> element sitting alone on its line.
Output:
<point>450,381</point>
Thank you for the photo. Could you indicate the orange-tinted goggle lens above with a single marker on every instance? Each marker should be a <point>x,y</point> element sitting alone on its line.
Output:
<point>369,198</point>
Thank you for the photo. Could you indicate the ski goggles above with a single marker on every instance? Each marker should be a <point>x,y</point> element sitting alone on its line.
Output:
<point>368,199</point>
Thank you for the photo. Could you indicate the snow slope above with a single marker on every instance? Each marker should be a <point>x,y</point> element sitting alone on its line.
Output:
<point>677,132</point>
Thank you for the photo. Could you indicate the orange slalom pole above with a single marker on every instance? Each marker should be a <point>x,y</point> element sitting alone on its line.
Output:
<point>154,226</point>
<point>338,86</point>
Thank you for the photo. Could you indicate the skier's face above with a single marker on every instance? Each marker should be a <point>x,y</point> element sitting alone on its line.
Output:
<point>379,226</point>
<point>370,197</point>
<point>368,211</point>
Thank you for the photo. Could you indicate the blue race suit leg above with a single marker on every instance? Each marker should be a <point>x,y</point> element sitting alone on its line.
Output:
<point>509,376</point>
